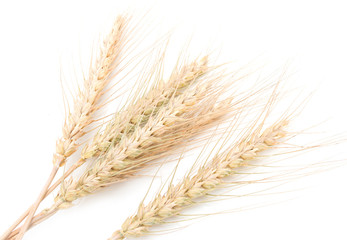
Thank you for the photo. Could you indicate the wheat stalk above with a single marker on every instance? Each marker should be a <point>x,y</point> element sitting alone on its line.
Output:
<point>85,105</point>
<point>205,180</point>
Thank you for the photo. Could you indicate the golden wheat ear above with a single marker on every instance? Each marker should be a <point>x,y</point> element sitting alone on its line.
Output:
<point>85,104</point>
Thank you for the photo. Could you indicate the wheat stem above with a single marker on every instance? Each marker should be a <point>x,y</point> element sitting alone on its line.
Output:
<point>50,190</point>
<point>38,201</point>
<point>36,220</point>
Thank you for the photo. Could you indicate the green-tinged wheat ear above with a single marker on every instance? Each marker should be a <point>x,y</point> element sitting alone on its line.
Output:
<point>206,179</point>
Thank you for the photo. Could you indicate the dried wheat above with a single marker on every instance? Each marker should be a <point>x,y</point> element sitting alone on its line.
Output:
<point>206,179</point>
<point>170,113</point>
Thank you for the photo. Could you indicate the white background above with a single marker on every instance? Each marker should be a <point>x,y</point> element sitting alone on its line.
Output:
<point>38,37</point>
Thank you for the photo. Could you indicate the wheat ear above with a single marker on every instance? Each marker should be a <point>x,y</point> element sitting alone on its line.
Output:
<point>206,179</point>
<point>85,105</point>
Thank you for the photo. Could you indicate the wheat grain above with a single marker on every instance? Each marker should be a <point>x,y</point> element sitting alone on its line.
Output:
<point>206,179</point>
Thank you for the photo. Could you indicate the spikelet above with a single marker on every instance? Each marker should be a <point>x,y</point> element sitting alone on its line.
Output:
<point>206,179</point>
